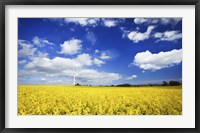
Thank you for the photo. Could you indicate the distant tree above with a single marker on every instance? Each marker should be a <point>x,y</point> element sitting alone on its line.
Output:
<point>77,84</point>
<point>164,83</point>
<point>174,83</point>
<point>124,85</point>
<point>112,85</point>
<point>149,85</point>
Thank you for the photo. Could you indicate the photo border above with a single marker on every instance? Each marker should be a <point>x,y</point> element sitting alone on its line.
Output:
<point>99,2</point>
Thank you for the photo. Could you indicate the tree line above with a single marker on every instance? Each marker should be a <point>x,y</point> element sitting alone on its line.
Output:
<point>164,83</point>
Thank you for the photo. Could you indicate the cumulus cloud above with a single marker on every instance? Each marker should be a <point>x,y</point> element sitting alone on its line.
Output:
<point>146,20</point>
<point>71,47</point>
<point>96,51</point>
<point>83,76</point>
<point>82,21</point>
<point>43,79</point>
<point>45,64</point>
<point>98,62</point>
<point>149,61</point>
<point>60,68</point>
<point>26,49</point>
<point>168,36</point>
<point>104,56</point>
<point>136,36</point>
<point>92,76</point>
<point>166,21</point>
<point>109,23</point>
<point>140,20</point>
<point>131,77</point>
<point>40,54</point>
<point>41,42</point>
<point>124,31</point>
<point>163,21</point>
<point>84,59</point>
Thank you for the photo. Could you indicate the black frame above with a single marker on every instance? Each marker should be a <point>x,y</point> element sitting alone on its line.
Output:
<point>3,3</point>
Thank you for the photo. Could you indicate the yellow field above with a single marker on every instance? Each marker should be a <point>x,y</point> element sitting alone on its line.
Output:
<point>80,100</point>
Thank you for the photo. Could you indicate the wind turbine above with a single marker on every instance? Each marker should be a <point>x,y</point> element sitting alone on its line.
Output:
<point>74,77</point>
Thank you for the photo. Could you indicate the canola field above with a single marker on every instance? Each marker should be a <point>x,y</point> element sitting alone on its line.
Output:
<point>90,100</point>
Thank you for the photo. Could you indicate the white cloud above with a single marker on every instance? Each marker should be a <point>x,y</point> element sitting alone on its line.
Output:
<point>41,55</point>
<point>60,68</point>
<point>82,21</point>
<point>41,42</point>
<point>83,76</point>
<point>98,62</point>
<point>163,21</point>
<point>149,61</point>
<point>166,21</point>
<point>131,77</point>
<point>22,62</point>
<point>168,36</point>
<point>109,23</point>
<point>124,31</point>
<point>43,79</point>
<point>140,20</point>
<point>26,48</point>
<point>71,47</point>
<point>91,76</point>
<point>96,51</point>
<point>136,36</point>
<point>84,60</point>
<point>146,20</point>
<point>45,64</point>
<point>104,56</point>
<point>154,21</point>
<point>42,69</point>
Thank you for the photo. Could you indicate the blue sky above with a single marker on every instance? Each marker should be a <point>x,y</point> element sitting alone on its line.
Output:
<point>100,51</point>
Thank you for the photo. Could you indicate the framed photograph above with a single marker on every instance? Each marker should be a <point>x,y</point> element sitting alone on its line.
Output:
<point>100,66</point>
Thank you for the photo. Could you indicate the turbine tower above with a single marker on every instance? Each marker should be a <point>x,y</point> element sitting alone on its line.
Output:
<point>74,77</point>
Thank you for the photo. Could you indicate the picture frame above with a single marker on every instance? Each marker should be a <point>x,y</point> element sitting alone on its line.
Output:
<point>98,2</point>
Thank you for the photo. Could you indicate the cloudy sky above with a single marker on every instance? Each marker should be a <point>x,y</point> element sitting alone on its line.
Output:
<point>100,51</point>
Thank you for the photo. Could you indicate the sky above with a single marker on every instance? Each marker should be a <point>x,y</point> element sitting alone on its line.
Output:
<point>99,51</point>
